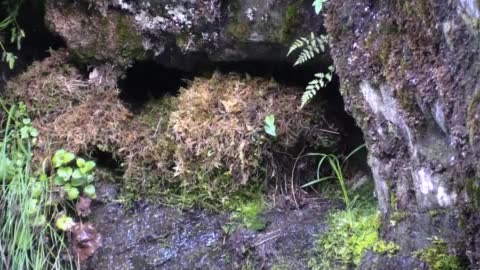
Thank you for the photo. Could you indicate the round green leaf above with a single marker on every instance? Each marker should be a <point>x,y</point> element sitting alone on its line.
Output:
<point>64,223</point>
<point>88,167</point>
<point>77,174</point>
<point>24,132</point>
<point>58,181</point>
<point>68,157</point>
<point>73,193</point>
<point>90,191</point>
<point>57,159</point>
<point>78,182</point>
<point>90,178</point>
<point>33,132</point>
<point>65,172</point>
<point>80,162</point>
<point>26,121</point>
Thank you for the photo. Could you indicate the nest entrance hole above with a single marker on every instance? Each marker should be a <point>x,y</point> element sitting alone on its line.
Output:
<point>148,80</point>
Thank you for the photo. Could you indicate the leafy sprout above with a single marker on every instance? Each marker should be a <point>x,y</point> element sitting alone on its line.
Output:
<point>269,127</point>
<point>74,174</point>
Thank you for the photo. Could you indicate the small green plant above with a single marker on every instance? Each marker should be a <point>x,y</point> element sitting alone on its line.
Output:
<point>320,81</point>
<point>318,5</point>
<point>12,8</point>
<point>382,247</point>
<point>74,174</point>
<point>349,235</point>
<point>248,215</point>
<point>28,240</point>
<point>269,127</point>
<point>437,257</point>
<point>337,173</point>
<point>309,48</point>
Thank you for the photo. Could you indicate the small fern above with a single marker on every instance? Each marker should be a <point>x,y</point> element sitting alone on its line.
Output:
<point>310,47</point>
<point>320,81</point>
<point>318,5</point>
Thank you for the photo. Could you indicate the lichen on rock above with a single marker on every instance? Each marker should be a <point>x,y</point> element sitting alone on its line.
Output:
<point>93,37</point>
<point>180,33</point>
<point>407,76</point>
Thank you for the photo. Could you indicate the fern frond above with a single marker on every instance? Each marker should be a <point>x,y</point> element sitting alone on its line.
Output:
<point>318,5</point>
<point>310,47</point>
<point>321,80</point>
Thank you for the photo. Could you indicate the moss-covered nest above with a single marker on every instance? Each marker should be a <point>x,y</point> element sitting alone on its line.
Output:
<point>219,125</point>
<point>211,135</point>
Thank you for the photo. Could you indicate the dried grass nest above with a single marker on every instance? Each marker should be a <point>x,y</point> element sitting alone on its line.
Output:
<point>214,126</point>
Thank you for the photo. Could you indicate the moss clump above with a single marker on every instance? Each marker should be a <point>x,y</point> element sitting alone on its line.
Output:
<point>473,192</point>
<point>219,125</point>
<point>398,216</point>
<point>248,214</point>
<point>291,20</point>
<point>206,147</point>
<point>93,37</point>
<point>130,41</point>
<point>437,257</point>
<point>43,86</point>
<point>239,29</point>
<point>389,248</point>
<point>238,26</point>
<point>115,39</point>
<point>349,235</point>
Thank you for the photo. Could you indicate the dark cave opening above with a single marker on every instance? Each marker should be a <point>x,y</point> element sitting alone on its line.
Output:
<point>147,80</point>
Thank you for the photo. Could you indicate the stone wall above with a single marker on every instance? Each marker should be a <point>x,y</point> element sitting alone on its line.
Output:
<point>410,76</point>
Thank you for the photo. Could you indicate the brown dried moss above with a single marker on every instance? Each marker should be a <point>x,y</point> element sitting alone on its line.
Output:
<point>210,136</point>
<point>83,116</point>
<point>219,126</point>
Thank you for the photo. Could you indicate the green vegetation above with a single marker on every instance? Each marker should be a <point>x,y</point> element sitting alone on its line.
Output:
<point>9,23</point>
<point>216,192</point>
<point>27,238</point>
<point>269,127</point>
<point>318,5</point>
<point>310,47</point>
<point>290,21</point>
<point>349,235</point>
<point>438,258</point>
<point>238,26</point>
<point>337,169</point>
<point>350,232</point>
<point>73,174</point>
<point>40,201</point>
<point>248,214</point>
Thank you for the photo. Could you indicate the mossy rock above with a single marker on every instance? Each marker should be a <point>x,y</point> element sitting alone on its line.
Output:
<point>438,258</point>
<point>93,37</point>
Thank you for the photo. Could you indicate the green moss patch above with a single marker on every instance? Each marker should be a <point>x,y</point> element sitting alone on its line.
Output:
<point>93,37</point>
<point>349,235</point>
<point>438,258</point>
<point>291,21</point>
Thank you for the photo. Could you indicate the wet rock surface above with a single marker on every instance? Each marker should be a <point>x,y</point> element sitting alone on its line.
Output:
<point>158,237</point>
<point>409,75</point>
<point>181,34</point>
